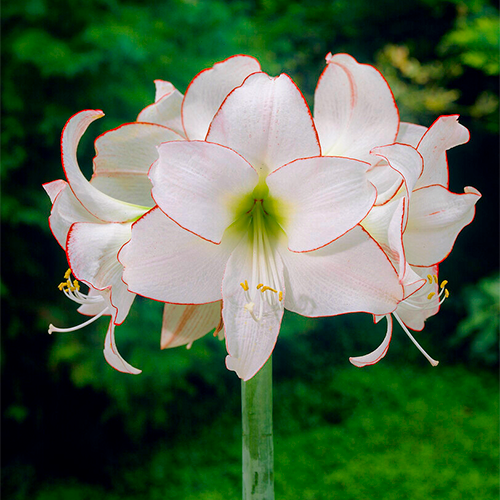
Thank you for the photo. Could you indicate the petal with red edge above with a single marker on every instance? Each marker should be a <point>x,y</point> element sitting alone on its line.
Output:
<point>208,90</point>
<point>267,121</point>
<point>379,352</point>
<point>249,342</point>
<point>352,274</point>
<point>124,156</point>
<point>92,251</point>
<point>112,355</point>
<point>445,133</point>
<point>99,204</point>
<point>54,188</point>
<point>166,110</point>
<point>167,263</point>
<point>436,216</point>
<point>67,210</point>
<point>322,198</point>
<point>354,109</point>
<point>403,159</point>
<point>183,324</point>
<point>201,186</point>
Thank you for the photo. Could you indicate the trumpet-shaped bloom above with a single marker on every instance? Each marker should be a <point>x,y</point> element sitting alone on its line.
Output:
<point>92,220</point>
<point>255,216</point>
<point>416,219</point>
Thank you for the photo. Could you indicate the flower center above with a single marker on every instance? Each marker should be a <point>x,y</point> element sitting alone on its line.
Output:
<point>422,299</point>
<point>263,289</point>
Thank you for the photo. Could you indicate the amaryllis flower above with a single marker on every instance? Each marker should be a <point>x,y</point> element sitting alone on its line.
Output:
<point>92,220</point>
<point>416,219</point>
<point>256,217</point>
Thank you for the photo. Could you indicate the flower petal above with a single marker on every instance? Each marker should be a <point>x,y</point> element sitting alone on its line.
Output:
<point>436,216</point>
<point>54,188</point>
<point>113,356</point>
<point>124,156</point>
<point>67,210</point>
<point>410,133</point>
<point>166,110</point>
<point>322,198</point>
<point>352,274</point>
<point>209,88</point>
<point>267,121</point>
<point>97,203</point>
<point>249,342</point>
<point>200,185</point>
<point>92,251</point>
<point>167,263</point>
<point>354,109</point>
<point>445,133</point>
<point>379,352</point>
<point>403,159</point>
<point>183,324</point>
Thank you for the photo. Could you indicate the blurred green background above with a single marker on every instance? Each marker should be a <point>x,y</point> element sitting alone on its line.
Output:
<point>73,428</point>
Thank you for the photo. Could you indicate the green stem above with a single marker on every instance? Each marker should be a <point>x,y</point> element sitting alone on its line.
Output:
<point>258,453</point>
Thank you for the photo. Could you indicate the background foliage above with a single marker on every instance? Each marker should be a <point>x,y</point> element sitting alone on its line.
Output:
<point>73,428</point>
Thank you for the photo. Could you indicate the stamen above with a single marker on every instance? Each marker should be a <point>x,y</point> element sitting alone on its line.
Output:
<point>444,283</point>
<point>280,296</point>
<point>435,279</point>
<point>446,293</point>
<point>53,328</point>
<point>433,362</point>
<point>266,288</point>
<point>244,285</point>
<point>429,297</point>
<point>67,274</point>
<point>429,277</point>
<point>260,285</point>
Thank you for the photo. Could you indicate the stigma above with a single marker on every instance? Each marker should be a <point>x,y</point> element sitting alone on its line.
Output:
<point>71,288</point>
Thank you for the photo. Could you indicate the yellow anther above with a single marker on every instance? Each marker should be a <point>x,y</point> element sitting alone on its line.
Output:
<point>435,278</point>
<point>61,286</point>
<point>67,274</point>
<point>244,285</point>
<point>76,285</point>
<point>429,277</point>
<point>444,283</point>
<point>429,297</point>
<point>280,296</point>
<point>266,288</point>
<point>446,293</point>
<point>260,285</point>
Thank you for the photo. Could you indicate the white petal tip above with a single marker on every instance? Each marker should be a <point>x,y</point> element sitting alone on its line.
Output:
<point>119,364</point>
<point>235,365</point>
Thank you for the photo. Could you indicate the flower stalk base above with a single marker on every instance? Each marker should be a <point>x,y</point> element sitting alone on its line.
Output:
<point>258,451</point>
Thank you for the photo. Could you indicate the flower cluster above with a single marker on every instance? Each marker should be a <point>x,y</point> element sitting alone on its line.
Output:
<point>233,203</point>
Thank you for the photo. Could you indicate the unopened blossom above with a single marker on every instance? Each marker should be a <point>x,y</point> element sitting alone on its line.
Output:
<point>256,217</point>
<point>416,219</point>
<point>92,220</point>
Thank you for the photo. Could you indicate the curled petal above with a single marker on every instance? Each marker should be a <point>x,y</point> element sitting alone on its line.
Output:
<point>124,156</point>
<point>405,160</point>
<point>112,355</point>
<point>92,251</point>
<point>54,188</point>
<point>67,210</point>
<point>266,121</point>
<point>200,186</point>
<point>379,352</point>
<point>183,324</point>
<point>209,88</point>
<point>166,110</point>
<point>97,203</point>
<point>445,133</point>
<point>321,198</point>
<point>354,109</point>
<point>436,216</point>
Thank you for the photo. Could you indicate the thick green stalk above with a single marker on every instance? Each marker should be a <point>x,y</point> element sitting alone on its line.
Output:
<point>258,452</point>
